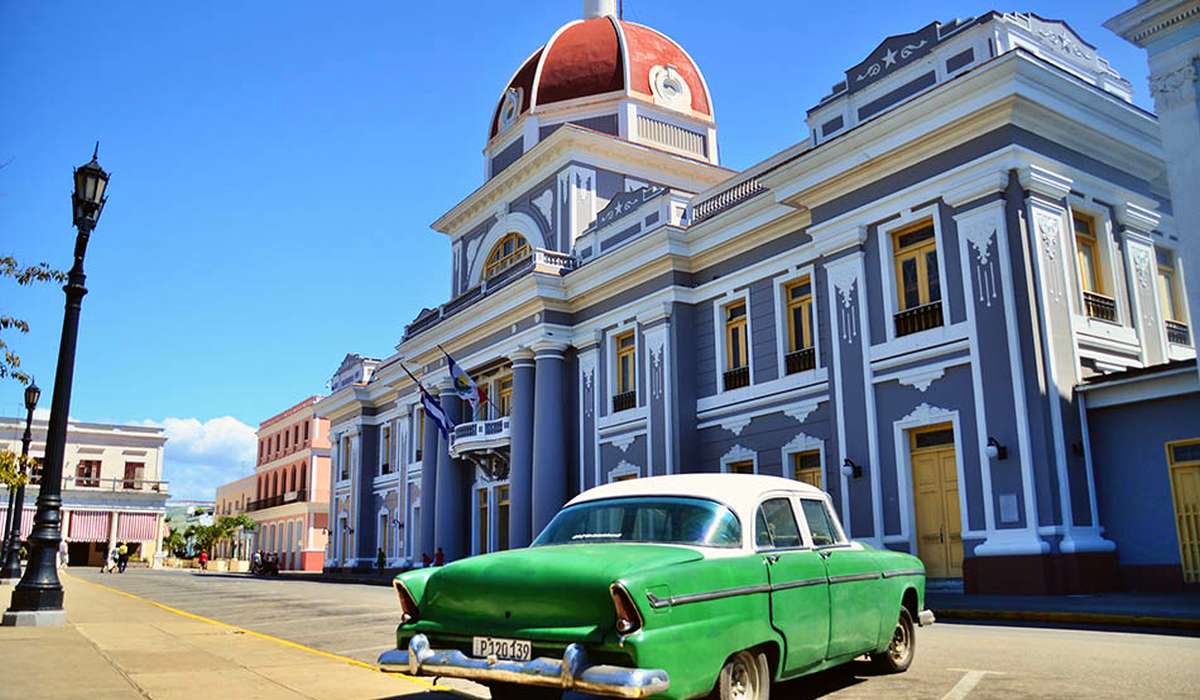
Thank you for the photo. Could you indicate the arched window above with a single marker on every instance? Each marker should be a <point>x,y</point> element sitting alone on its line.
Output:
<point>274,484</point>
<point>303,475</point>
<point>293,478</point>
<point>508,251</point>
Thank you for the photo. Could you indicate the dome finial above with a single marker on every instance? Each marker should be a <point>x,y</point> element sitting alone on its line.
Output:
<point>599,8</point>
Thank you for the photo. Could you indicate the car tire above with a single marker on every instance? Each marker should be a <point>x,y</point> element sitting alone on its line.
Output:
<point>901,647</point>
<point>514,691</point>
<point>745,676</point>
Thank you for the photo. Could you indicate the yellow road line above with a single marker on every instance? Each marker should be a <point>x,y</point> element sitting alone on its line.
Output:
<point>260,635</point>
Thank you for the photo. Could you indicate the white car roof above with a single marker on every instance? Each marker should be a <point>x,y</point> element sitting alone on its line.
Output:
<point>741,492</point>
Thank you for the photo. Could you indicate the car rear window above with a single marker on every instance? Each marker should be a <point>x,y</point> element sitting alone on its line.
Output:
<point>658,519</point>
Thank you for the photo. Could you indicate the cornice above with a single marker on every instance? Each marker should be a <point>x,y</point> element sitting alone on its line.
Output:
<point>1144,22</point>
<point>1039,180</point>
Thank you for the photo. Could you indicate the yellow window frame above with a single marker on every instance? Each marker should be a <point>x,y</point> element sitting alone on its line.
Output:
<point>742,466</point>
<point>918,253</point>
<point>1087,253</point>
<point>808,474</point>
<point>626,358</point>
<point>799,338</point>
<point>1167,293</point>
<point>735,327</point>
<point>387,445</point>
<point>504,396</point>
<point>1188,537</point>
<point>482,509</point>
<point>498,260</point>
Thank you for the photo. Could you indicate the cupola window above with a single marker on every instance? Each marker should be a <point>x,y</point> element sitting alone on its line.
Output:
<point>508,251</point>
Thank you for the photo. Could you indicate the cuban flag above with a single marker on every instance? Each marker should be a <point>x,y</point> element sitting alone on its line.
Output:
<point>464,386</point>
<point>434,412</point>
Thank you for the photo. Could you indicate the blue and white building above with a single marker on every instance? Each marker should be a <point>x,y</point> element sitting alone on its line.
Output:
<point>899,309</point>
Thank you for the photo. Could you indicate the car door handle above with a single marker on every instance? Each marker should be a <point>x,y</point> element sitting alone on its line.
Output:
<point>825,553</point>
<point>772,558</point>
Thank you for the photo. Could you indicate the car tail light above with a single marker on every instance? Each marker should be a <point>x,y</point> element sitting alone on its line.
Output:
<point>629,620</point>
<point>408,606</point>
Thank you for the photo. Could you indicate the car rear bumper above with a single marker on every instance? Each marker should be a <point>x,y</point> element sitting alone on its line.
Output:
<point>925,618</point>
<point>572,672</point>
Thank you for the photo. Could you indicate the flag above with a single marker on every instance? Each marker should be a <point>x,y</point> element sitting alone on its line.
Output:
<point>434,412</point>
<point>464,386</point>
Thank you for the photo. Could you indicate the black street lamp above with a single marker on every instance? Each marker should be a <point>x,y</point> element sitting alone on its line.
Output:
<point>10,554</point>
<point>38,598</point>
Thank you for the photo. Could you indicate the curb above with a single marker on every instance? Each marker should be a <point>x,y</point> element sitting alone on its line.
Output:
<point>1107,619</point>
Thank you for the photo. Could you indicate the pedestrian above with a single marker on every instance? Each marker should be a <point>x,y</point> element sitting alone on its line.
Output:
<point>203,561</point>
<point>256,563</point>
<point>110,561</point>
<point>439,557</point>
<point>380,559</point>
<point>425,560</point>
<point>63,551</point>
<point>122,557</point>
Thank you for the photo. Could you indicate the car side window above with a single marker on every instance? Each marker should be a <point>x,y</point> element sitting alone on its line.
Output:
<point>776,525</point>
<point>820,524</point>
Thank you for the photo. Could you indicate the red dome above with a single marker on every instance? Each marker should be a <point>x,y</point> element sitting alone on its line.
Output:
<point>598,56</point>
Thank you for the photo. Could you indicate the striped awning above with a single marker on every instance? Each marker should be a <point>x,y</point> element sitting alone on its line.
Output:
<point>88,526</point>
<point>138,527</point>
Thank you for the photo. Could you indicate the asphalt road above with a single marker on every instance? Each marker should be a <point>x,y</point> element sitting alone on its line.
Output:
<point>953,661</point>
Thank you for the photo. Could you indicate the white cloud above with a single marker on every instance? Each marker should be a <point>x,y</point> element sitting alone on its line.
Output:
<point>199,457</point>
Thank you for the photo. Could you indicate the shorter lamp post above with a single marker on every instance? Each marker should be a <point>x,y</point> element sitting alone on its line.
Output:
<point>11,554</point>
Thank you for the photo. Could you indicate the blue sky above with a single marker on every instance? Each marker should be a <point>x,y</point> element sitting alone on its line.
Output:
<point>276,166</point>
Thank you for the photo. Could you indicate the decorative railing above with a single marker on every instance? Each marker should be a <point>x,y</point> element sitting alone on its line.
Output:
<point>277,500</point>
<point>109,484</point>
<point>480,434</point>
<point>540,260</point>
<point>737,378</point>
<point>1100,307</point>
<point>918,318</point>
<point>800,360</point>
<point>624,401</point>
<point>727,199</point>
<point>1178,333</point>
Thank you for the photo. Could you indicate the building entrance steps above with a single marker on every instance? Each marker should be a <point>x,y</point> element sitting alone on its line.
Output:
<point>118,645</point>
<point>1163,611</point>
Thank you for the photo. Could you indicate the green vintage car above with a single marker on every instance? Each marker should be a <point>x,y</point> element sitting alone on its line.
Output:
<point>670,587</point>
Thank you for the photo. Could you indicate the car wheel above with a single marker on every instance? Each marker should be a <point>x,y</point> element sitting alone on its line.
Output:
<point>745,676</point>
<point>903,645</point>
<point>513,691</point>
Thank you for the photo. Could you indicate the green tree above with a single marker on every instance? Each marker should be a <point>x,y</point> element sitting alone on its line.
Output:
<point>10,468</point>
<point>175,543</point>
<point>24,275</point>
<point>227,527</point>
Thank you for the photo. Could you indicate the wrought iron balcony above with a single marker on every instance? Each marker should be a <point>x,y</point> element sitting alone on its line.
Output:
<point>624,401</point>
<point>1178,333</point>
<point>801,360</point>
<point>480,435</point>
<point>278,500</point>
<point>918,318</point>
<point>737,378</point>
<point>109,484</point>
<point>1100,307</point>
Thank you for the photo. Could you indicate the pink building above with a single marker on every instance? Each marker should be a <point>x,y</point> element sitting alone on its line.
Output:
<point>232,499</point>
<point>291,487</point>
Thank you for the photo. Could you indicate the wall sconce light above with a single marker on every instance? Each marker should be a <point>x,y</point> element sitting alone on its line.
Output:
<point>995,450</point>
<point>850,470</point>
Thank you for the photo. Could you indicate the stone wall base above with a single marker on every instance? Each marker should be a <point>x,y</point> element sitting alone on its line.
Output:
<point>1046,574</point>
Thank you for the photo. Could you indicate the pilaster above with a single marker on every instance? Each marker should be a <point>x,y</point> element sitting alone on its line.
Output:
<point>451,517</point>
<point>549,478</point>
<point>520,469</point>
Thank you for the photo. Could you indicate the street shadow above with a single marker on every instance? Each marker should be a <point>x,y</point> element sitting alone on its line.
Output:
<point>1083,627</point>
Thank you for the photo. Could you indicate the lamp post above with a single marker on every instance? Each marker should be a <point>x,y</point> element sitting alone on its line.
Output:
<point>10,554</point>
<point>38,598</point>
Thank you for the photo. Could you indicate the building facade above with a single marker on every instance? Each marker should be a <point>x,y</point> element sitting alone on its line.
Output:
<point>898,309</point>
<point>113,488</point>
<point>235,498</point>
<point>291,487</point>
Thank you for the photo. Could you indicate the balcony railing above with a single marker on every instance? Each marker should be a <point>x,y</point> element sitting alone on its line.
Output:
<point>624,401</point>
<point>108,484</point>
<point>278,500</point>
<point>800,361</point>
<point>1100,307</point>
<point>918,318</point>
<point>480,435</point>
<point>1178,333</point>
<point>737,378</point>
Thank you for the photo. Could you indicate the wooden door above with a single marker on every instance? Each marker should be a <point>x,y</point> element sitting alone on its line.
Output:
<point>935,501</point>
<point>1184,461</point>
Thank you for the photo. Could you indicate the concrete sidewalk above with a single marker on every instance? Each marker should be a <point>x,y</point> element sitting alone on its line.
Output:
<point>117,645</point>
<point>1166,611</point>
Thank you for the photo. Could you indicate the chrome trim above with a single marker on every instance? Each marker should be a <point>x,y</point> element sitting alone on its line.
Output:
<point>572,672</point>
<point>925,618</point>
<point>799,584</point>
<point>656,602</point>
<point>847,578</point>
<point>904,572</point>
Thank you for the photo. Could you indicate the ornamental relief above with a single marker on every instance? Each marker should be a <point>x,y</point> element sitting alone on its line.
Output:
<point>980,235</point>
<point>1171,87</point>
<point>1049,227</point>
<point>888,60</point>
<point>845,280</point>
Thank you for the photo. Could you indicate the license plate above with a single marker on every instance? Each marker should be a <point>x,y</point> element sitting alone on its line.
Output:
<point>507,649</point>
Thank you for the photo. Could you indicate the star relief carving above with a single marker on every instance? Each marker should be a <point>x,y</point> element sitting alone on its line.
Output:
<point>889,58</point>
